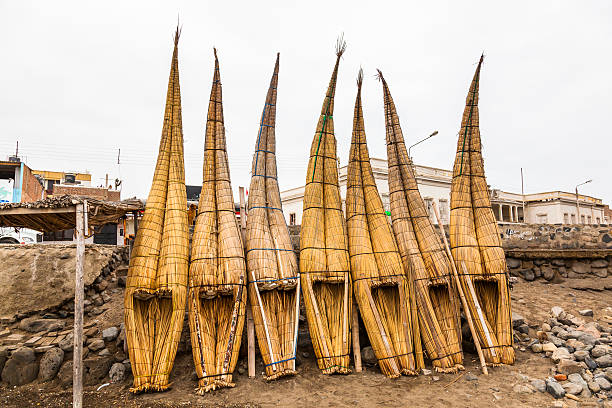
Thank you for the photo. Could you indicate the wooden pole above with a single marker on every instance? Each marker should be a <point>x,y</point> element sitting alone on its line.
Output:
<point>250,322</point>
<point>468,315</point>
<point>79,294</point>
<point>356,345</point>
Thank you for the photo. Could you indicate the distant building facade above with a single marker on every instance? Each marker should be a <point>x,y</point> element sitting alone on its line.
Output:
<point>434,184</point>
<point>18,183</point>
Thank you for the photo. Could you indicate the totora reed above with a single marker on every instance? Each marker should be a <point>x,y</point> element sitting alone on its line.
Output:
<point>271,263</point>
<point>427,264</point>
<point>217,275</point>
<point>475,241</point>
<point>380,284</point>
<point>324,261</point>
<point>156,287</point>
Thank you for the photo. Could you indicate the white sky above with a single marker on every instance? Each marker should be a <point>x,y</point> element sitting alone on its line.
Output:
<point>79,81</point>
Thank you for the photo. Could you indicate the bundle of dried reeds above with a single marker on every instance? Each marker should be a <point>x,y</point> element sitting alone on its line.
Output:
<point>324,260</point>
<point>475,242</point>
<point>156,286</point>
<point>426,263</point>
<point>271,262</point>
<point>380,283</point>
<point>217,275</point>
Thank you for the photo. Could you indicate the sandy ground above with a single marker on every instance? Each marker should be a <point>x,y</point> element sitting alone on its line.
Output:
<point>369,388</point>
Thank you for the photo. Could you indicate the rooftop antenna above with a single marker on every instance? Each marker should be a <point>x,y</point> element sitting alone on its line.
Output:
<point>17,150</point>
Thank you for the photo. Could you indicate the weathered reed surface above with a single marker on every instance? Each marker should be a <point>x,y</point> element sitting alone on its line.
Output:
<point>425,260</point>
<point>271,262</point>
<point>380,283</point>
<point>217,276</point>
<point>324,260</point>
<point>475,241</point>
<point>156,286</point>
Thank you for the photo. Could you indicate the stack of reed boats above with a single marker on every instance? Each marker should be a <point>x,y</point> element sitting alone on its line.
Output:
<point>324,259</point>
<point>217,275</point>
<point>475,242</point>
<point>381,286</point>
<point>156,287</point>
<point>274,291</point>
<point>426,263</point>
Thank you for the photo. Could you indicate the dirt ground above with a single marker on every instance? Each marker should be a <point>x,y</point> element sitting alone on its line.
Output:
<point>370,388</point>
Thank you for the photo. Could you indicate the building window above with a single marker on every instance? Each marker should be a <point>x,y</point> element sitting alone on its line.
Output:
<point>542,218</point>
<point>292,219</point>
<point>573,218</point>
<point>566,218</point>
<point>589,219</point>
<point>598,220</point>
<point>582,219</point>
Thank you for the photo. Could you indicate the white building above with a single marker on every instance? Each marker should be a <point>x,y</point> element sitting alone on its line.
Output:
<point>434,184</point>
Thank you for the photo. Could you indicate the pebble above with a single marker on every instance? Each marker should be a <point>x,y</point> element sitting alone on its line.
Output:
<point>425,371</point>
<point>435,378</point>
<point>603,383</point>
<point>586,312</point>
<point>592,365</point>
<point>95,345</point>
<point>561,377</point>
<point>548,347</point>
<point>604,361</point>
<point>600,350</point>
<point>117,372</point>
<point>593,386</point>
<point>471,377</point>
<point>556,311</point>
<point>580,355</point>
<point>560,354</point>
<point>522,389</point>
<point>110,334</point>
<point>572,388</point>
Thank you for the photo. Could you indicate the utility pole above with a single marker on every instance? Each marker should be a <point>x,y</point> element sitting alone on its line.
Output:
<point>577,202</point>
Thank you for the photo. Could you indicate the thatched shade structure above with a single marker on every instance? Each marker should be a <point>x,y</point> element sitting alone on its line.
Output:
<point>427,264</point>
<point>271,262</point>
<point>380,283</point>
<point>217,275</point>
<point>156,287</point>
<point>475,242</point>
<point>324,260</point>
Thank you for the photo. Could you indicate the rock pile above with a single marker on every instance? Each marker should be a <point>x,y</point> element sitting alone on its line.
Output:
<point>581,352</point>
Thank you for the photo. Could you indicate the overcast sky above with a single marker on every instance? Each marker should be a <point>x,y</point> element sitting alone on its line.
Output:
<point>79,81</point>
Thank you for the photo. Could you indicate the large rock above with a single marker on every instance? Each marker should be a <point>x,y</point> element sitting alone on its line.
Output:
<point>95,345</point>
<point>50,364</point>
<point>554,388</point>
<point>96,369</point>
<point>601,350</point>
<point>21,368</point>
<point>368,356</point>
<point>117,372</point>
<point>603,383</point>
<point>110,334</point>
<point>568,367</point>
<point>560,354</point>
<point>581,267</point>
<point>35,325</point>
<point>4,355</point>
<point>41,277</point>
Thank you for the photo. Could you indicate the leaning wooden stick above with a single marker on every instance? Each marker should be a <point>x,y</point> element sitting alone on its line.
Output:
<point>250,322</point>
<point>356,345</point>
<point>483,364</point>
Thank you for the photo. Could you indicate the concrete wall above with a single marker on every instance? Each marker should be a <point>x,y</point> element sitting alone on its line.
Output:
<point>105,194</point>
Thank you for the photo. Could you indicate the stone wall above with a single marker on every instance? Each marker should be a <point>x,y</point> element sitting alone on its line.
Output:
<point>40,277</point>
<point>550,252</point>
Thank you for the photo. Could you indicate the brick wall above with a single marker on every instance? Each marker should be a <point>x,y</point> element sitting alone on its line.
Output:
<point>31,189</point>
<point>97,192</point>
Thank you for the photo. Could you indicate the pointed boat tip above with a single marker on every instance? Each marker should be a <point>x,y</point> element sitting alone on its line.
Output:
<point>379,75</point>
<point>215,52</point>
<point>340,45</point>
<point>177,33</point>
<point>360,78</point>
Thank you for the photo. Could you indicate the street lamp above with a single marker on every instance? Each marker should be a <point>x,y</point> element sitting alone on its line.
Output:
<point>577,204</point>
<point>421,141</point>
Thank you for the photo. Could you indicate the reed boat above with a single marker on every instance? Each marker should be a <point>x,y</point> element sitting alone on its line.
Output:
<point>324,260</point>
<point>425,260</point>
<point>475,241</point>
<point>156,287</point>
<point>380,283</point>
<point>274,293</point>
<point>217,275</point>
